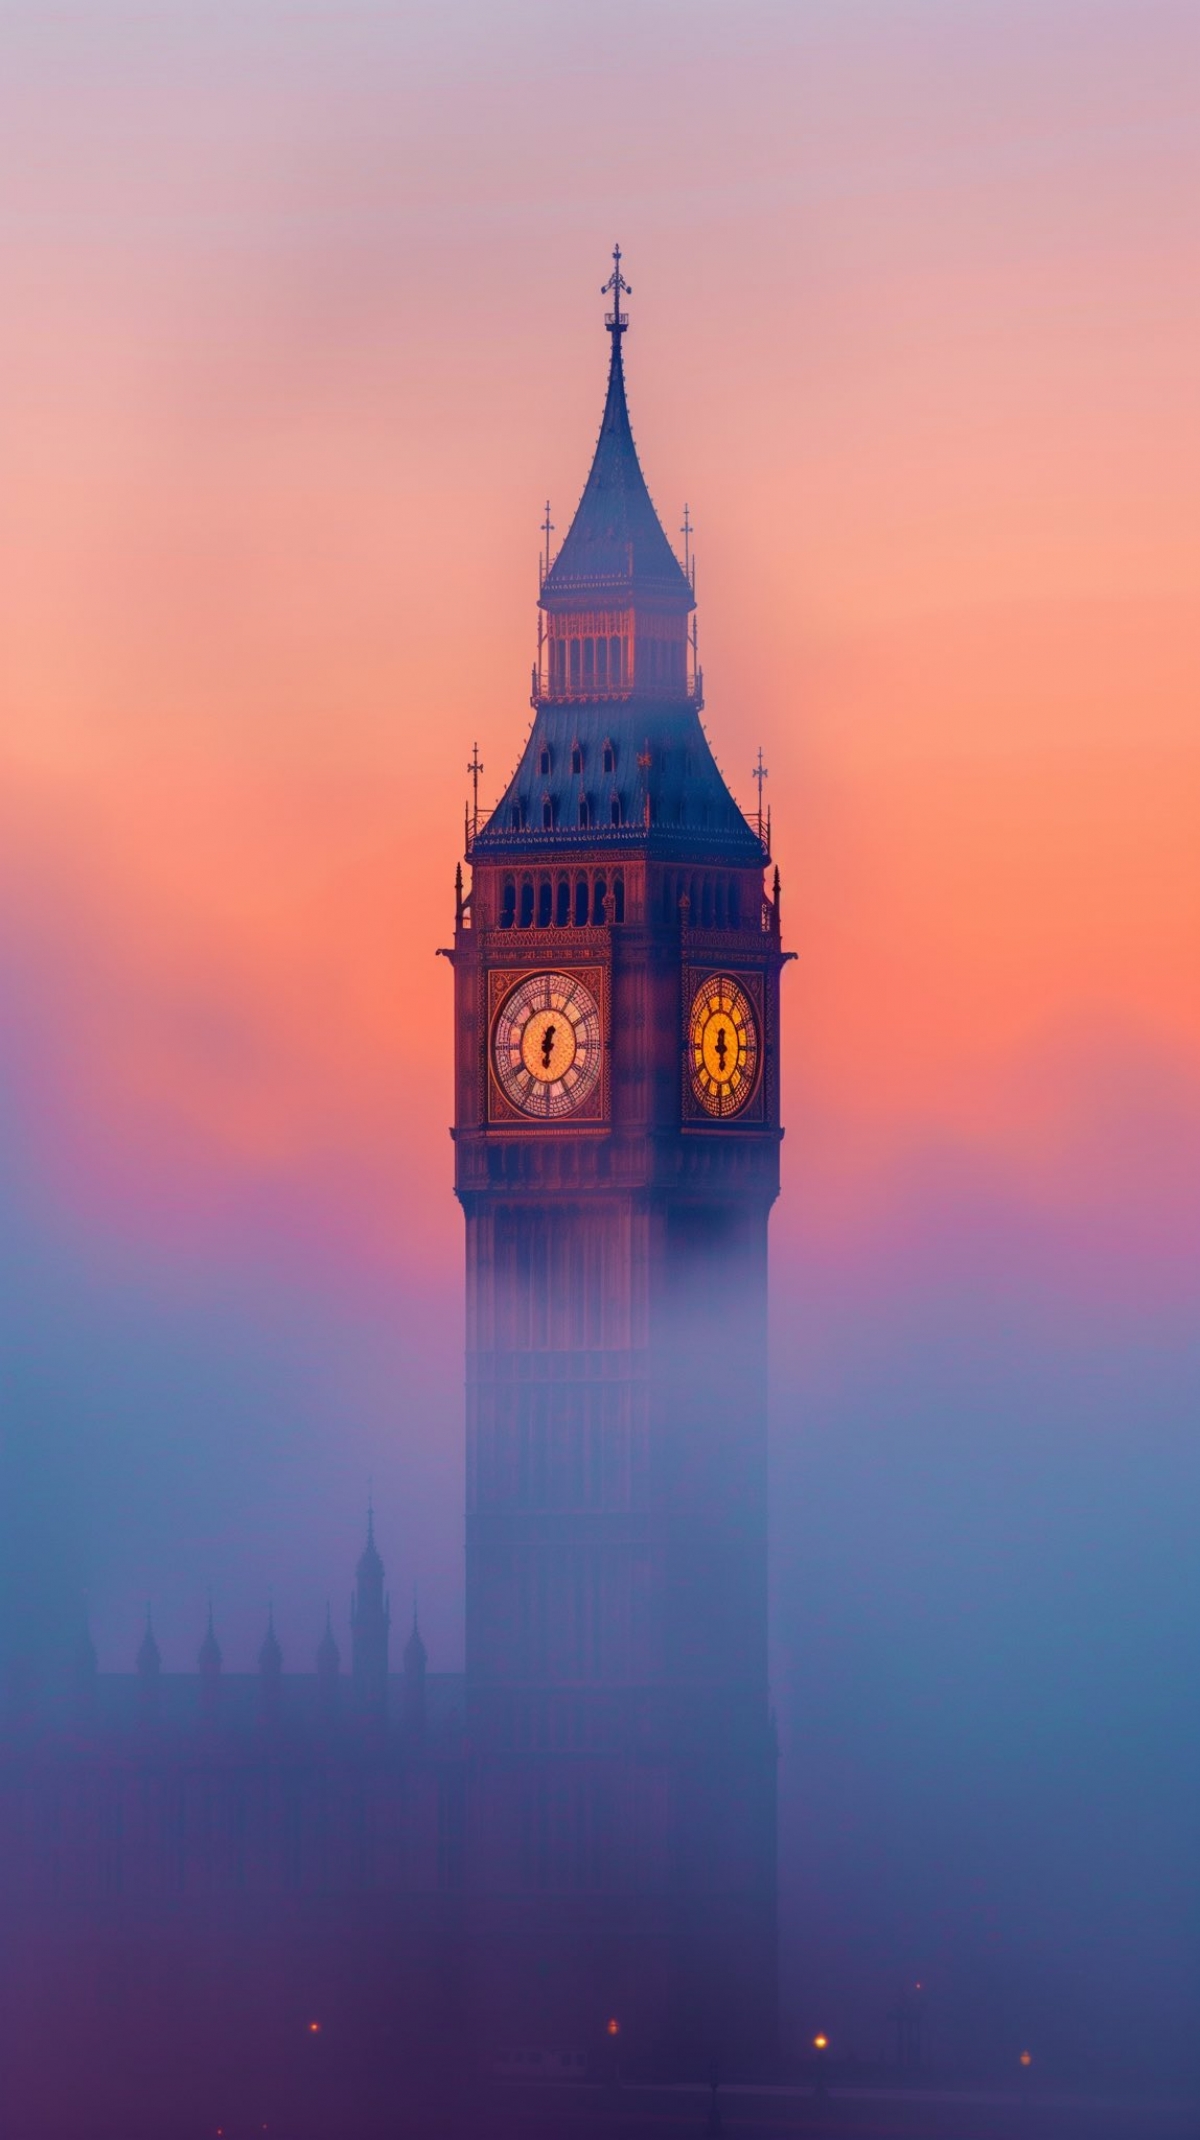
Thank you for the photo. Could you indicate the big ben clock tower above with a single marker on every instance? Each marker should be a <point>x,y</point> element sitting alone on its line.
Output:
<point>617,1154</point>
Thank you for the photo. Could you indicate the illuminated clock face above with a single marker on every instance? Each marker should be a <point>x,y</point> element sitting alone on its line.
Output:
<point>546,1045</point>
<point>722,1046</point>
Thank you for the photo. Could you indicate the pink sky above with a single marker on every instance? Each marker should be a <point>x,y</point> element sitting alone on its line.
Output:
<point>302,325</point>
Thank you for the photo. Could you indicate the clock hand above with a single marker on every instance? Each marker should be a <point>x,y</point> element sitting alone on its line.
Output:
<point>721,1046</point>
<point>547,1045</point>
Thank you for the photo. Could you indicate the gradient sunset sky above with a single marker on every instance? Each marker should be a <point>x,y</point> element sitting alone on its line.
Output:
<point>301,325</point>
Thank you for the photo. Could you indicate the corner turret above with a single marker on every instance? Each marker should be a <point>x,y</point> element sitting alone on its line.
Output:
<point>370,1623</point>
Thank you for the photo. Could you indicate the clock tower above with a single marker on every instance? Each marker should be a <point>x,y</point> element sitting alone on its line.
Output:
<point>617,1134</point>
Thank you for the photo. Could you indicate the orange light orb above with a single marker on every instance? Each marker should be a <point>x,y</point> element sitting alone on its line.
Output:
<point>1027,2058</point>
<point>820,2043</point>
<point>314,2029</point>
<point>614,2026</point>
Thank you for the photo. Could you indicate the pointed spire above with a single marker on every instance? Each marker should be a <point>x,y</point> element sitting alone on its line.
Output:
<point>329,1657</point>
<point>149,1659</point>
<point>209,1657</point>
<point>370,1622</point>
<point>616,544</point>
<point>414,1648</point>
<point>149,1672</point>
<point>413,1698</point>
<point>209,1664</point>
<point>270,1656</point>
<point>270,1675</point>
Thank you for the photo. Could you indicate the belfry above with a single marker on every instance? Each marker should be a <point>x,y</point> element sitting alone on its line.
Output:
<point>617,1134</point>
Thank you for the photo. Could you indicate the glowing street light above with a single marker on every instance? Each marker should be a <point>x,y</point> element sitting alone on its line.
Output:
<point>820,2043</point>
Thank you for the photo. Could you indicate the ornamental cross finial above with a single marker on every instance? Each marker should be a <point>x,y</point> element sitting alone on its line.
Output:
<point>547,530</point>
<point>760,774</point>
<point>616,320</point>
<point>475,768</point>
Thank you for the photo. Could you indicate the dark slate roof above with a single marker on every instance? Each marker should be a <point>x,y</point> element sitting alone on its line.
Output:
<point>615,542</point>
<point>692,807</point>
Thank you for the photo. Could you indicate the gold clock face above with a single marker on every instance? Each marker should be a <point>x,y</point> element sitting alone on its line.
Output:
<point>546,1045</point>
<point>723,1047</point>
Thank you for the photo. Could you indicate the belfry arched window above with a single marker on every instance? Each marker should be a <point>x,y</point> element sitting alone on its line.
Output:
<point>581,902</point>
<point>599,895</point>
<point>618,898</point>
<point>562,904</point>
<point>545,897</point>
<point>527,903</point>
<point>508,904</point>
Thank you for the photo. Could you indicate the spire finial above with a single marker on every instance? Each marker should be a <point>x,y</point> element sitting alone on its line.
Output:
<point>760,774</point>
<point>475,768</point>
<point>616,321</point>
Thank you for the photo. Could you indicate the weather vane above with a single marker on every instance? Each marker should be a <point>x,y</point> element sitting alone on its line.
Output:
<point>760,774</point>
<point>617,320</point>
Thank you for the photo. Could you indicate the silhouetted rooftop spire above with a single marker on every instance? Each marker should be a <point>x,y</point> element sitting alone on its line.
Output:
<point>329,1657</point>
<point>270,1656</point>
<point>149,1659</point>
<point>616,541</point>
<point>209,1659</point>
<point>414,1648</point>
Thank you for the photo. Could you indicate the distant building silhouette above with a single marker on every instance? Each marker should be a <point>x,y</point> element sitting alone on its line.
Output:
<point>582,1826</point>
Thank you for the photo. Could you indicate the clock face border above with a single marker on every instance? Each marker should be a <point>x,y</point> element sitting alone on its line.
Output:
<point>592,1113</point>
<point>753,1110</point>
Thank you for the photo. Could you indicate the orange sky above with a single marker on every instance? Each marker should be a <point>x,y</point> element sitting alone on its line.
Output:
<point>303,323</point>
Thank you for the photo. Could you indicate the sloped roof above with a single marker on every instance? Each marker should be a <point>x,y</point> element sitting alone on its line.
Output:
<point>615,543</point>
<point>690,805</point>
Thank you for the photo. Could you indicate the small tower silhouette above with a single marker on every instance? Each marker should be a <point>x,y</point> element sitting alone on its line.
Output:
<point>329,1667</point>
<point>209,1666</point>
<point>414,1681</point>
<point>149,1672</point>
<point>270,1676</point>
<point>370,1621</point>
